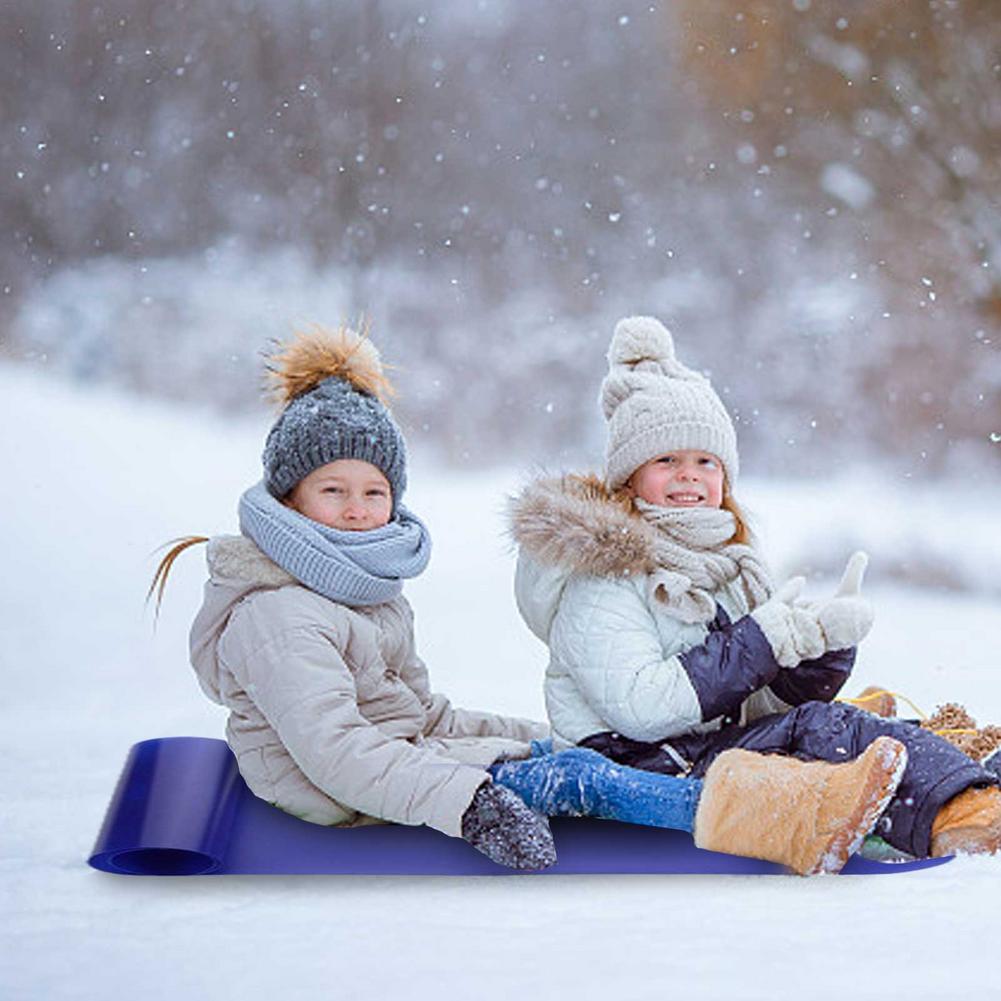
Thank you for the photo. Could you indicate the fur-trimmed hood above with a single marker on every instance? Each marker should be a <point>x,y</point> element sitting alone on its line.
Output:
<point>575,523</point>
<point>576,526</point>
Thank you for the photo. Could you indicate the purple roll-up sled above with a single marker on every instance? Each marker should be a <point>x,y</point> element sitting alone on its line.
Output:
<point>182,809</point>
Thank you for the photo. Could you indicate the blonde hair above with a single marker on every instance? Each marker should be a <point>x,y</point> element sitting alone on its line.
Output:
<point>159,582</point>
<point>743,534</point>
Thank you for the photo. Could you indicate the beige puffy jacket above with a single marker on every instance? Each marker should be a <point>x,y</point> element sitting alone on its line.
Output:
<point>331,714</point>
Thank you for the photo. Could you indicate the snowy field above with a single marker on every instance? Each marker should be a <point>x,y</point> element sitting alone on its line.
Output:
<point>92,483</point>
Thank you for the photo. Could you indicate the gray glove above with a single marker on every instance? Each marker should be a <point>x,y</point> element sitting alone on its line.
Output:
<point>498,823</point>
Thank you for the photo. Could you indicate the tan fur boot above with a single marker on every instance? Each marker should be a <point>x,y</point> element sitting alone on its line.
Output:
<point>969,824</point>
<point>808,815</point>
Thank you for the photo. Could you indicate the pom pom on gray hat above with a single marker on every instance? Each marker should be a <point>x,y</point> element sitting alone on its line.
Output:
<point>654,404</point>
<point>332,388</point>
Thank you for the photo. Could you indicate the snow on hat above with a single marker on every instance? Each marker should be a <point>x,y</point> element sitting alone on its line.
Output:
<point>654,404</point>
<point>331,385</point>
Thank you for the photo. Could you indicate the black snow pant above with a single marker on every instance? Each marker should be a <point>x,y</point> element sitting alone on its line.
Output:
<point>825,731</point>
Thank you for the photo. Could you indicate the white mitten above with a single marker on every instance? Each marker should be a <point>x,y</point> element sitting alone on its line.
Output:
<point>790,625</point>
<point>847,618</point>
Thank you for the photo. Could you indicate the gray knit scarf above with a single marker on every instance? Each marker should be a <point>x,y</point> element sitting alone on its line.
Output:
<point>352,568</point>
<point>695,560</point>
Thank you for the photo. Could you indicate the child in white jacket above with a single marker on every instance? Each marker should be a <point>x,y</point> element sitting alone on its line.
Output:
<point>669,649</point>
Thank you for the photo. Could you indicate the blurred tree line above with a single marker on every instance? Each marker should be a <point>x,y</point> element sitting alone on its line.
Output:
<point>893,112</point>
<point>806,193</point>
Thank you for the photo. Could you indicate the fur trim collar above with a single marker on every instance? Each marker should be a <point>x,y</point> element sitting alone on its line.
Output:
<point>576,523</point>
<point>235,557</point>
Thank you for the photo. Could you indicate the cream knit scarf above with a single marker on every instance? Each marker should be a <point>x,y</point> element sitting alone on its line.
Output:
<point>695,561</point>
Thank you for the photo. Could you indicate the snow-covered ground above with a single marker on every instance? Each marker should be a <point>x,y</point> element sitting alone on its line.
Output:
<point>91,483</point>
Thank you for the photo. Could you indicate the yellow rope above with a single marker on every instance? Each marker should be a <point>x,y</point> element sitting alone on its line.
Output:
<point>974,748</point>
<point>879,693</point>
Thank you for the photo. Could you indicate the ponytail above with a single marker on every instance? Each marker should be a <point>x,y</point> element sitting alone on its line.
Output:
<point>159,582</point>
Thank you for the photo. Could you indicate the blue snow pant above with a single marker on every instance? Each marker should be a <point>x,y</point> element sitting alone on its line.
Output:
<point>579,782</point>
<point>825,731</point>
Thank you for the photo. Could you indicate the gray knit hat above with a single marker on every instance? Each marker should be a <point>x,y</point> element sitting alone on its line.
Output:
<point>330,383</point>
<point>654,404</point>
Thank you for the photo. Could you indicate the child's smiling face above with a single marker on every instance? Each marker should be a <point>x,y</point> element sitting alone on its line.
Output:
<point>685,478</point>
<point>349,494</point>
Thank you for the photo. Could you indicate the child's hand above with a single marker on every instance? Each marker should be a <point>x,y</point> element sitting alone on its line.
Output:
<point>847,618</point>
<point>498,823</point>
<point>851,580</point>
<point>791,625</point>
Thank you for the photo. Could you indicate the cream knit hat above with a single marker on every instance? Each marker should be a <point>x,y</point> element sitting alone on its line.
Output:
<point>653,404</point>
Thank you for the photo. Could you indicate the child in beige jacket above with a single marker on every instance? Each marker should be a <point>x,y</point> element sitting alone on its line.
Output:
<point>305,636</point>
